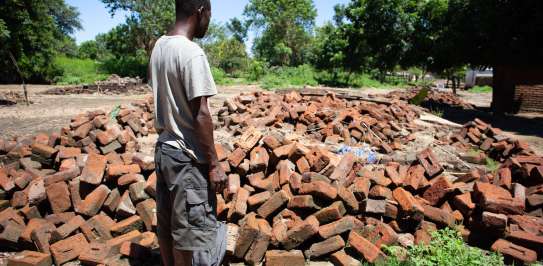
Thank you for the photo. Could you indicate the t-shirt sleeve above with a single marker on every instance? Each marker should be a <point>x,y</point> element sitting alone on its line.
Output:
<point>197,78</point>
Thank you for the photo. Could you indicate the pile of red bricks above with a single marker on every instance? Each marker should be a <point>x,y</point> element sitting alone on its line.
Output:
<point>88,193</point>
<point>433,99</point>
<point>326,118</point>
<point>290,202</point>
<point>85,193</point>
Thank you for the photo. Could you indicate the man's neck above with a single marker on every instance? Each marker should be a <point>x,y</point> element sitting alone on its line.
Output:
<point>183,28</point>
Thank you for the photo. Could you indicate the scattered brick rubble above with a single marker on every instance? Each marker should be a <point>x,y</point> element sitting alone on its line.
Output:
<point>11,98</point>
<point>88,192</point>
<point>113,85</point>
<point>435,98</point>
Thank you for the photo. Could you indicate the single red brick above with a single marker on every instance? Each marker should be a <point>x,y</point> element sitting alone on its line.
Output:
<point>94,201</point>
<point>6,183</point>
<point>361,188</point>
<point>518,252</point>
<point>319,189</point>
<point>331,213</point>
<point>277,200</point>
<point>259,159</point>
<point>285,258</point>
<point>126,207</point>
<point>258,199</point>
<point>115,170</point>
<point>343,168</point>
<point>437,191</point>
<point>365,248</point>
<point>247,234</point>
<point>341,258</point>
<point>303,165</point>
<point>239,205</point>
<point>236,157</point>
<point>301,232</point>
<point>234,183</point>
<point>69,249</point>
<point>59,197</point>
<point>271,142</point>
<point>248,140</point>
<point>116,242</point>
<point>129,179</point>
<point>97,254</point>
<point>68,152</point>
<point>147,211</point>
<point>496,199</point>
<point>303,202</point>
<point>438,216</point>
<point>463,203</point>
<point>68,228</point>
<point>325,247</point>
<point>93,172</point>
<point>127,225</point>
<point>430,163</point>
<point>97,228</point>
<point>259,246</point>
<point>222,153</point>
<point>341,226</point>
<point>43,150</point>
<point>406,201</point>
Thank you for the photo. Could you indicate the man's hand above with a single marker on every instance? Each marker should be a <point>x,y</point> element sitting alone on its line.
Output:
<point>217,178</point>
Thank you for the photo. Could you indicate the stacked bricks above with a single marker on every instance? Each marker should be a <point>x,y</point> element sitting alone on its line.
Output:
<point>86,193</point>
<point>434,98</point>
<point>74,196</point>
<point>327,118</point>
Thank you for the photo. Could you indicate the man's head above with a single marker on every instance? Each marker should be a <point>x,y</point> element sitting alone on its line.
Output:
<point>200,10</point>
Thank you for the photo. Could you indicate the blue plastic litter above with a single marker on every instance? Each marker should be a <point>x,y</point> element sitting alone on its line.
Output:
<point>364,153</point>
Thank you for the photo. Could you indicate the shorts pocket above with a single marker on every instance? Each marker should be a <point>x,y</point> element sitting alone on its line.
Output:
<point>197,205</point>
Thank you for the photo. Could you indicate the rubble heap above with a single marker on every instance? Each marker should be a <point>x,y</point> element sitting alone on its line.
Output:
<point>88,193</point>
<point>11,98</point>
<point>326,118</point>
<point>113,85</point>
<point>434,99</point>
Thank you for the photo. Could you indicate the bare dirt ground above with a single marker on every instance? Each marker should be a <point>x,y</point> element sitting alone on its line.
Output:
<point>49,113</point>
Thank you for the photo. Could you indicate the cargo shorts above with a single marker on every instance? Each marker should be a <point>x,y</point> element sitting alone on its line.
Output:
<point>186,207</point>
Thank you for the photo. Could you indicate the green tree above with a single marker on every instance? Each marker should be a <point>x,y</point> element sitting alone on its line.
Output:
<point>284,28</point>
<point>32,32</point>
<point>238,29</point>
<point>146,22</point>
<point>223,48</point>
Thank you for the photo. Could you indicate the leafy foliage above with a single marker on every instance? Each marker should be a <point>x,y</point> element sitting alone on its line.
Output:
<point>285,28</point>
<point>480,89</point>
<point>448,249</point>
<point>33,32</point>
<point>78,71</point>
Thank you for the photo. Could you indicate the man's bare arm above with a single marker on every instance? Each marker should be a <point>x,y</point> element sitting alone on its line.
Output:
<point>203,125</point>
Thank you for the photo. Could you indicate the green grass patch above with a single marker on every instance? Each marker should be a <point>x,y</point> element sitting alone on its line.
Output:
<point>78,71</point>
<point>289,77</point>
<point>446,248</point>
<point>480,89</point>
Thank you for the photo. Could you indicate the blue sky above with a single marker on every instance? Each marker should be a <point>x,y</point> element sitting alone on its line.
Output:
<point>96,19</point>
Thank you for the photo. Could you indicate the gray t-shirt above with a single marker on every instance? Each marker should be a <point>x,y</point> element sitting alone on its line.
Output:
<point>179,73</point>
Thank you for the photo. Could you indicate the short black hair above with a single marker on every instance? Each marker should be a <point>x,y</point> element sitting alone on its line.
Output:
<point>186,8</point>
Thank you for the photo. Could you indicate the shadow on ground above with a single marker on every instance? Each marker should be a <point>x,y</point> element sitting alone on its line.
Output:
<point>522,124</point>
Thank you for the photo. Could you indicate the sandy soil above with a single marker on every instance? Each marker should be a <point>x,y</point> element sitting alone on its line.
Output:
<point>51,112</point>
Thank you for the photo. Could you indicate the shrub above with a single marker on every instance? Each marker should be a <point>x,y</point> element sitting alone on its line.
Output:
<point>285,77</point>
<point>78,71</point>
<point>480,89</point>
<point>446,248</point>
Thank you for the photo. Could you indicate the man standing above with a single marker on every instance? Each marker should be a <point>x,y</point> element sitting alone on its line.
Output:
<point>188,172</point>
